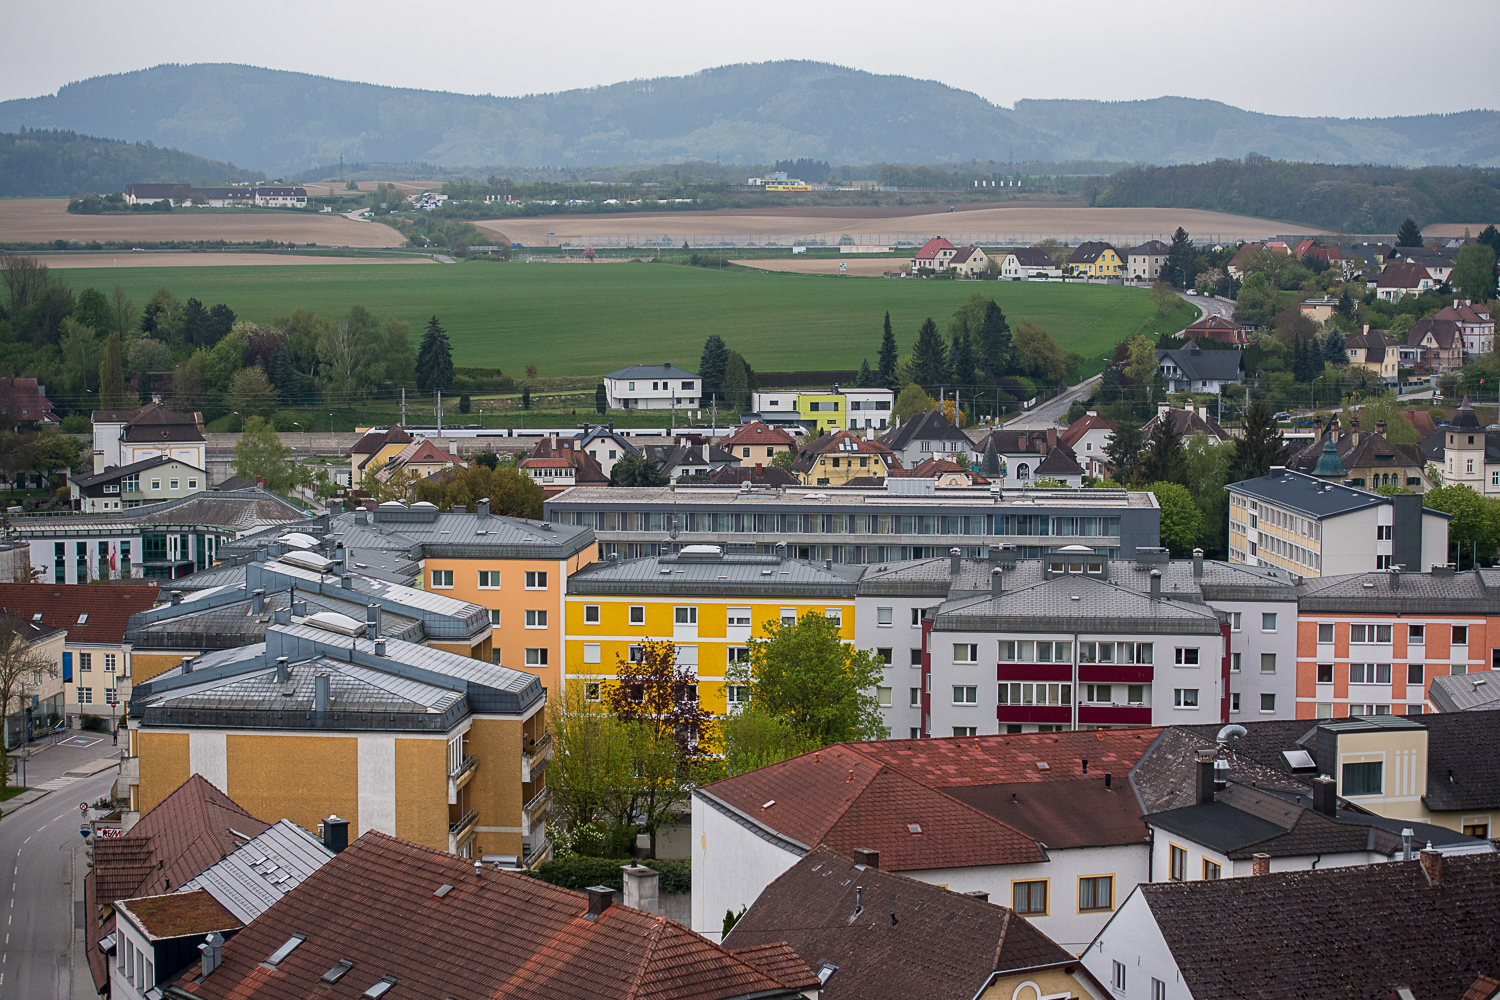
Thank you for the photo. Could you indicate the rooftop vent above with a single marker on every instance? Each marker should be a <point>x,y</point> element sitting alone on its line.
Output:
<point>332,621</point>
<point>600,898</point>
<point>308,560</point>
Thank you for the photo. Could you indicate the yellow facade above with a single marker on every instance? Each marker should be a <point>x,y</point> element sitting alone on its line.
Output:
<point>496,793</point>
<point>154,663</point>
<point>596,648</point>
<point>1040,984</point>
<point>1107,265</point>
<point>301,778</point>
<point>422,809</point>
<point>835,468</point>
<point>826,409</point>
<point>165,763</point>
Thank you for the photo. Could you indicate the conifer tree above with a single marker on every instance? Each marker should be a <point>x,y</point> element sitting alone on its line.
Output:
<point>961,361</point>
<point>1261,447</point>
<point>434,359</point>
<point>1164,461</point>
<point>996,350</point>
<point>929,360</point>
<point>866,379</point>
<point>711,367</point>
<point>1410,234</point>
<point>1124,451</point>
<point>888,355</point>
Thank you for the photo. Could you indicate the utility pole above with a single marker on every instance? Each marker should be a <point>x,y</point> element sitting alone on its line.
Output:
<point>440,412</point>
<point>403,406</point>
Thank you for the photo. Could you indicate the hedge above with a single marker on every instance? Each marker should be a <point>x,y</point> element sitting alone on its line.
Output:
<point>580,873</point>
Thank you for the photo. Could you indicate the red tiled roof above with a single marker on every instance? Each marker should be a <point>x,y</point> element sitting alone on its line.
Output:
<point>756,432</point>
<point>1082,426</point>
<point>780,962</point>
<point>21,401</point>
<point>496,935</point>
<point>424,451</point>
<point>1213,323</point>
<point>992,760</point>
<point>930,249</point>
<point>377,438</point>
<point>1402,274</point>
<point>63,604</point>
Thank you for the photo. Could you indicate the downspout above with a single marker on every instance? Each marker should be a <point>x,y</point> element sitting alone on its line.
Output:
<point>1075,681</point>
<point>1316,860</point>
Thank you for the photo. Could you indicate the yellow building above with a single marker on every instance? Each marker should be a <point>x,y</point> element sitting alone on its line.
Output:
<point>324,720</point>
<point>831,409</point>
<point>705,602</point>
<point>377,447</point>
<point>1096,260</point>
<point>834,459</point>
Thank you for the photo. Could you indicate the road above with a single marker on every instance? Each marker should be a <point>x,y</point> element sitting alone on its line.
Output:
<point>38,839</point>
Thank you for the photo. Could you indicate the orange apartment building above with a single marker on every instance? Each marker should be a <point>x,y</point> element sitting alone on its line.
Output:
<point>1371,643</point>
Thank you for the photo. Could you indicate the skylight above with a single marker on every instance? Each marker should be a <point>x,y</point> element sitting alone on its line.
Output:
<point>37,617</point>
<point>914,827</point>
<point>1299,760</point>
<point>336,973</point>
<point>83,618</point>
<point>379,988</point>
<point>286,949</point>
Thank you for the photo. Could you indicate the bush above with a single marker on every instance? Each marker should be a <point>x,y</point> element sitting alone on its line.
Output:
<point>580,873</point>
<point>76,423</point>
<point>94,724</point>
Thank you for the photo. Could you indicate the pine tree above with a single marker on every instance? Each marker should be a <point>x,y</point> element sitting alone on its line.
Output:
<point>525,397</point>
<point>711,367</point>
<point>735,390</point>
<point>866,379</point>
<point>1410,234</point>
<point>112,376</point>
<point>1164,461</point>
<point>961,361</point>
<point>1261,447</point>
<point>929,361</point>
<point>996,351</point>
<point>1345,308</point>
<point>283,373</point>
<point>1490,237</point>
<point>888,355</point>
<point>1335,351</point>
<point>601,399</point>
<point>1180,259</point>
<point>1124,451</point>
<point>990,468</point>
<point>434,359</point>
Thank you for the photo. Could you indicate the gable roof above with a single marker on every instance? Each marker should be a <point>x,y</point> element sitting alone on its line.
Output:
<point>1078,428</point>
<point>377,438</point>
<point>1464,311</point>
<point>767,475</point>
<point>1150,248</point>
<point>154,422</point>
<point>21,400</point>
<point>929,426</point>
<point>234,483</point>
<point>104,611</point>
<point>1310,933</point>
<point>1032,256</point>
<point>253,877</point>
<point>491,934</point>
<point>1402,274</point>
<point>757,433</point>
<point>908,938</point>
<point>1446,332</point>
<point>840,444</point>
<point>930,249</point>
<point>1196,363</point>
<point>665,370</point>
<point>116,472</point>
<point>1215,323</point>
<point>423,452</point>
<point>1187,423</point>
<point>964,253</point>
<point>1088,252</point>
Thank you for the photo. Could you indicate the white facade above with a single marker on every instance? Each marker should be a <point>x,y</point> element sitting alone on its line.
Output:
<point>111,448</point>
<point>869,407</point>
<point>1262,659</point>
<point>652,387</point>
<point>734,860</point>
<point>1164,840</point>
<point>899,643</point>
<point>1130,954</point>
<point>168,481</point>
<point>1012,268</point>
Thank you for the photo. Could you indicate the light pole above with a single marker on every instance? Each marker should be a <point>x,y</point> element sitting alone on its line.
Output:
<point>304,434</point>
<point>242,419</point>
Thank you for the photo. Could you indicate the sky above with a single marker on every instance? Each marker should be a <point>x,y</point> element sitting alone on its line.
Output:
<point>1277,57</point>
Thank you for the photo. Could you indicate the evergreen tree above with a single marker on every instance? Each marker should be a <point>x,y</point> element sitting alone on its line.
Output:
<point>866,379</point>
<point>1335,352</point>
<point>990,467</point>
<point>1261,447</point>
<point>735,389</point>
<point>283,373</point>
<point>1345,308</point>
<point>961,361</point>
<point>195,324</point>
<point>434,359</point>
<point>1490,237</point>
<point>929,361</point>
<point>1109,385</point>
<point>1124,451</point>
<point>464,405</point>
<point>525,397</point>
<point>889,355</point>
<point>601,399</point>
<point>996,351</point>
<point>1410,234</point>
<point>1180,259</point>
<point>1164,461</point>
<point>711,367</point>
<point>112,376</point>
<point>220,322</point>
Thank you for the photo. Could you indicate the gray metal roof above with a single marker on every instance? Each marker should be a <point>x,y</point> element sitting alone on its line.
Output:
<point>749,576</point>
<point>442,617</point>
<point>241,511</point>
<point>224,618</point>
<point>463,536</point>
<point>249,880</point>
<point>1075,604</point>
<point>666,371</point>
<point>1465,692</point>
<point>1442,593</point>
<point>1307,495</point>
<point>812,499</point>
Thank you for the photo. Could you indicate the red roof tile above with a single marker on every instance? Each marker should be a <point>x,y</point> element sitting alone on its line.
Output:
<point>757,433</point>
<point>63,604</point>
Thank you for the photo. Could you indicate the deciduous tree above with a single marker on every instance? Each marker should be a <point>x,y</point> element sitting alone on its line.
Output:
<point>1038,355</point>
<point>112,376</point>
<point>807,676</point>
<point>1474,272</point>
<point>251,394</point>
<point>261,455</point>
<point>22,670</point>
<point>1181,520</point>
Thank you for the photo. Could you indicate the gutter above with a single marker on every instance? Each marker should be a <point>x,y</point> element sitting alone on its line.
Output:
<point>774,836</point>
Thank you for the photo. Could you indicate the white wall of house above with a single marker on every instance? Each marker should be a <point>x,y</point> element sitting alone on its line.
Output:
<point>1132,944</point>
<point>732,865</point>
<point>1250,641</point>
<point>903,720</point>
<point>652,393</point>
<point>1161,861</point>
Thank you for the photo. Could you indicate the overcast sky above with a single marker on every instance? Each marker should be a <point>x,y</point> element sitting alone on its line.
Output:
<point>1335,57</point>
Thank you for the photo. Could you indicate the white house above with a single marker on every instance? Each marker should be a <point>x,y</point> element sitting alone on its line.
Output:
<point>125,437</point>
<point>935,254</point>
<point>652,387</point>
<point>1024,263</point>
<point>1089,437</point>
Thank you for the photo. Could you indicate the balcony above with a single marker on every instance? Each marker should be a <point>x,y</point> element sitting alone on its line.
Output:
<point>534,756</point>
<point>533,854</point>
<point>461,830</point>
<point>1052,714</point>
<point>461,776</point>
<point>533,813</point>
<point>1114,715</point>
<point>1034,672</point>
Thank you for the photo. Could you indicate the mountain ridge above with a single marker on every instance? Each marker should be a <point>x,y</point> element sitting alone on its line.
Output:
<point>284,122</point>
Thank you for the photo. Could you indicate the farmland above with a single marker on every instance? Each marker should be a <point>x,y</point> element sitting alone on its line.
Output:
<point>584,320</point>
<point>42,220</point>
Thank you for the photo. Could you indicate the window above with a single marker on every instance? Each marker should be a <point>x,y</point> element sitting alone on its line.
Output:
<point>1029,897</point>
<point>1234,701</point>
<point>536,657</point>
<point>536,580</point>
<point>635,654</point>
<point>1325,632</point>
<point>1026,693</point>
<point>192,484</point>
<point>1369,633</point>
<point>1178,871</point>
<point>1117,978</point>
<point>156,484</point>
<point>591,652</point>
<point>916,697</point>
<point>85,661</point>
<point>788,617</point>
<point>1187,657</point>
<point>916,656</point>
<point>739,654</point>
<point>1362,778</point>
<point>1159,988</point>
<point>1416,635</point>
<point>1480,830</point>
<point>965,730</point>
<point>1185,698</point>
<point>591,614</point>
<point>85,696</point>
<point>536,619</point>
<point>1234,621</point>
<point>1325,673</point>
<point>965,652</point>
<point>637,614</point>
<point>1268,703</point>
<point>685,616</point>
<point>965,694</point>
<point>1212,872</point>
<point>883,696</point>
<point>1382,562</point>
<point>1324,710</point>
<point>1460,635</point>
<point>131,484</point>
<point>442,579</point>
<point>1096,892</point>
<point>1098,692</point>
<point>835,615</point>
<point>109,663</point>
<point>737,694</point>
<point>494,618</point>
<point>1268,663</point>
<point>1135,694</point>
<point>1268,621</point>
<point>884,616</point>
<point>916,617</point>
<point>1369,673</point>
<point>1415,674</point>
<point>489,579</point>
<point>1234,663</point>
<point>738,618</point>
<point>172,484</point>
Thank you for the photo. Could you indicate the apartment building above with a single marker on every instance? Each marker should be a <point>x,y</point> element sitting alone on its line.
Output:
<point>150,481</point>
<point>708,603</point>
<point>855,525</point>
<point>1311,528</point>
<point>652,387</point>
<point>36,699</point>
<point>330,717</point>
<point>845,407</point>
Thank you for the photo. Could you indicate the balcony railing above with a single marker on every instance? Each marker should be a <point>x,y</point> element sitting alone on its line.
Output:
<point>467,764</point>
<point>534,756</point>
<point>537,853</point>
<point>538,802</point>
<point>459,777</point>
<point>466,820</point>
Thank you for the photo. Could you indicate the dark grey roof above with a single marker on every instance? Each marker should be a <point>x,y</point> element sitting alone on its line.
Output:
<point>1465,692</point>
<point>666,371</point>
<point>224,619</point>
<point>1151,248</point>
<point>1075,604</point>
<point>249,880</point>
<point>929,426</point>
<point>115,472</point>
<point>1217,825</point>
<point>1307,495</point>
<point>1409,593</point>
<point>459,536</point>
<point>246,510</point>
<point>1196,363</point>
<point>713,574</point>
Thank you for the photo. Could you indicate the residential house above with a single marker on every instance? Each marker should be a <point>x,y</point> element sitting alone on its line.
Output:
<point>1219,329</point>
<point>605,445</point>
<point>1096,260</point>
<point>1319,309</point>
<point>423,459</point>
<point>500,934</point>
<point>124,437</point>
<point>757,444</point>
<point>377,447</point>
<point>1374,352</point>
<point>878,935</point>
<point>1186,420</point>
<point>95,658</point>
<point>1440,344</point>
<point>1362,458</point>
<point>1437,260</point>
<point>1088,437</point>
<point>1335,258</point>
<point>1192,369</point>
<point>1241,259</point>
<point>834,459</point>
<point>149,481</point>
<point>24,403</point>
<point>942,473</point>
<point>36,697</point>
<point>839,406</point>
<point>1024,263</point>
<point>557,463</point>
<point>1474,322</point>
<point>1402,278</point>
<point>754,475</point>
<point>1025,456</point>
<point>1313,528</point>
<point>969,261</point>
<point>652,387</point>
<point>1148,261</point>
<point>934,255</point>
<point>708,603</point>
<point>1466,451</point>
<point>691,456</point>
<point>260,196</point>
<point>926,435</point>
<point>328,717</point>
<point>1312,934</point>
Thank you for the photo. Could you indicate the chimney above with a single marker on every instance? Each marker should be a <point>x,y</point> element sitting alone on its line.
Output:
<point>1051,438</point>
<point>1260,864</point>
<point>361,517</point>
<point>283,616</point>
<point>706,447</point>
<point>1198,565</point>
<point>1156,584</point>
<point>335,834</point>
<point>459,508</point>
<point>379,647</point>
<point>299,609</point>
<point>1380,426</point>
<point>996,581</point>
<point>1325,795</point>
<point>452,446</point>
<point>283,669</point>
<point>1162,408</point>
<point>641,887</point>
<point>955,560</point>
<point>1205,773</point>
<point>1395,578</point>
<point>1203,411</point>
<point>600,898</point>
<point>1432,866</point>
<point>176,598</point>
<point>1354,430</point>
<point>482,509</point>
<point>213,952</point>
<point>187,664</point>
<point>979,894</point>
<point>372,621</point>
<point>257,602</point>
<point>321,695</point>
<point>867,856</point>
<point>346,582</point>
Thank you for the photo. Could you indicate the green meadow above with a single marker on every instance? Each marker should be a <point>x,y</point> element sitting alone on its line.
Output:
<point>589,319</point>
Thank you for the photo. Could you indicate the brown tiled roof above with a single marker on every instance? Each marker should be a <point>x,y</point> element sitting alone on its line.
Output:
<point>1402,274</point>
<point>757,433</point>
<point>499,934</point>
<point>63,604</point>
<point>1082,426</point>
<point>1187,423</point>
<point>377,438</point>
<point>963,255</point>
<point>1319,933</point>
<point>1464,311</point>
<point>1087,253</point>
<point>780,962</point>
<point>21,401</point>
<point>154,422</point>
<point>178,914</point>
<point>908,939</point>
<point>931,468</point>
<point>1446,332</point>
<point>1031,256</point>
<point>1076,813</point>
<point>1483,988</point>
<point>841,444</point>
<point>769,475</point>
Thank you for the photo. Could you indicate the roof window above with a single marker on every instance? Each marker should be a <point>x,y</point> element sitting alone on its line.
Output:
<point>37,617</point>
<point>379,988</point>
<point>336,973</point>
<point>281,953</point>
<point>83,618</point>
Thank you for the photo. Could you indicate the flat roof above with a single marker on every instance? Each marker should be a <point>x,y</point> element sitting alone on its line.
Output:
<point>819,497</point>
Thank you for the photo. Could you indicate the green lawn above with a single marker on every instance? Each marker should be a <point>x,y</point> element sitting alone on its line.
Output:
<point>580,319</point>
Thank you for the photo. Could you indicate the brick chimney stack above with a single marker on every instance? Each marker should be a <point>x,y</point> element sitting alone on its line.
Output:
<point>1432,866</point>
<point>1260,864</point>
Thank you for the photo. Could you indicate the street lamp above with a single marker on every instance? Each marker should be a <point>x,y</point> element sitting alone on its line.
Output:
<point>304,433</point>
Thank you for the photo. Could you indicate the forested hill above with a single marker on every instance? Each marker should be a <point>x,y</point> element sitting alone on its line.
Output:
<point>1346,199</point>
<point>64,163</point>
<point>285,122</point>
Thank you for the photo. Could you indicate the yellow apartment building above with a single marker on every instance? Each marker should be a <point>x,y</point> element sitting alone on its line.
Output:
<point>705,602</point>
<point>325,719</point>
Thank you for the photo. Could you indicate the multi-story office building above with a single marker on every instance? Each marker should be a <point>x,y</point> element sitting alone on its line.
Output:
<point>851,525</point>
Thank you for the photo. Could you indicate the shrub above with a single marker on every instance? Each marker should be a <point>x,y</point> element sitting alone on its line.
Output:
<point>580,873</point>
<point>94,724</point>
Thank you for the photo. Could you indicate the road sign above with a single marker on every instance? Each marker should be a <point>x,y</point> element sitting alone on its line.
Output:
<point>83,807</point>
<point>83,830</point>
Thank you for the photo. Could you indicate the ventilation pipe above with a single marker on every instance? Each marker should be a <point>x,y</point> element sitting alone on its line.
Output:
<point>955,560</point>
<point>482,509</point>
<point>1156,584</point>
<point>212,949</point>
<point>176,598</point>
<point>600,899</point>
<point>335,834</point>
<point>257,602</point>
<point>283,669</point>
<point>321,693</point>
<point>1325,795</point>
<point>996,582</point>
<point>1198,565</point>
<point>372,621</point>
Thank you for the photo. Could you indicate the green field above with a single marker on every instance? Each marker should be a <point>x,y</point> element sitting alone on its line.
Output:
<point>588,319</point>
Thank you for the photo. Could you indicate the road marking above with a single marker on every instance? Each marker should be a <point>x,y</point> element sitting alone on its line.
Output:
<point>26,841</point>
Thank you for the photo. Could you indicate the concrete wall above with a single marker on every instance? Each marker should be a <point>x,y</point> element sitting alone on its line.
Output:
<point>1250,641</point>
<point>901,637</point>
<point>1133,940</point>
<point>731,866</point>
